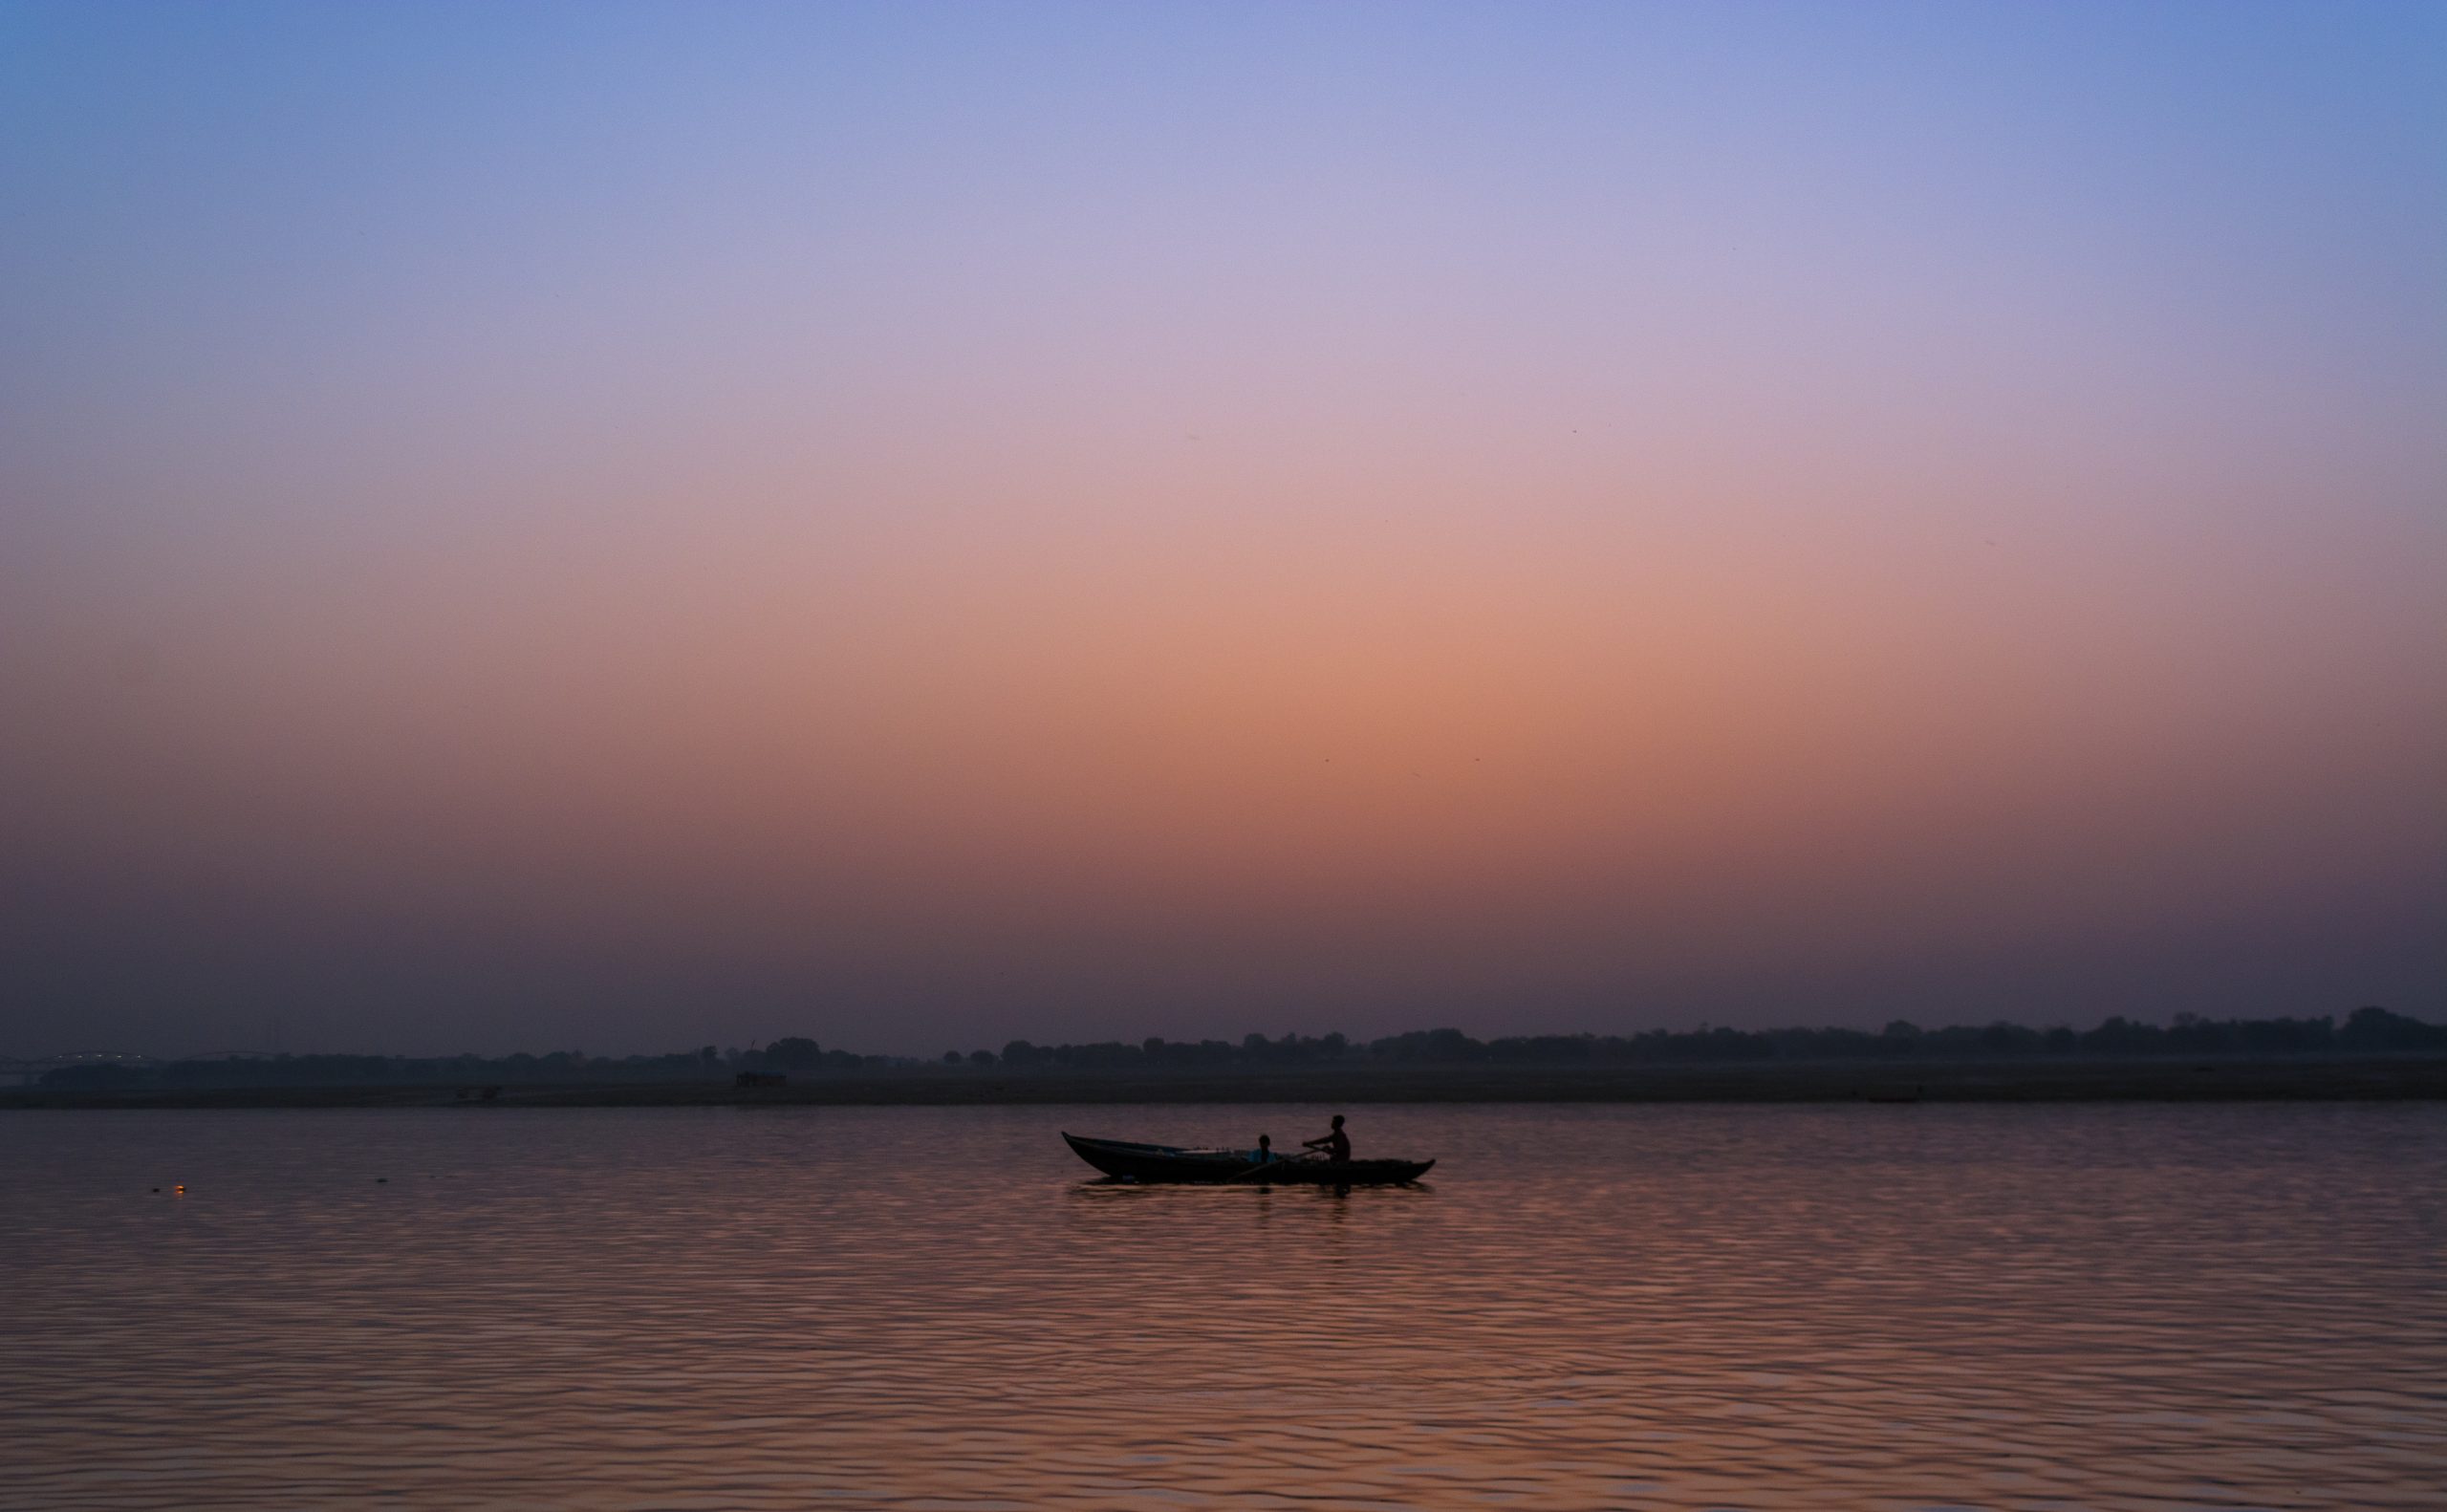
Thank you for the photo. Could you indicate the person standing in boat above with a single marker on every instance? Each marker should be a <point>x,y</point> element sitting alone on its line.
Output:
<point>1335,1143</point>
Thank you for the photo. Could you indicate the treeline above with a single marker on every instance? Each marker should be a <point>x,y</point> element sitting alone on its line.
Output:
<point>705,1064</point>
<point>2365,1031</point>
<point>2370,1030</point>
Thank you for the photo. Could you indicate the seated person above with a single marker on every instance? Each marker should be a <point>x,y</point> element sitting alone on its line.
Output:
<point>1335,1143</point>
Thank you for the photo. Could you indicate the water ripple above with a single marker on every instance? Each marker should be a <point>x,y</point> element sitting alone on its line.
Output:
<point>1891,1309</point>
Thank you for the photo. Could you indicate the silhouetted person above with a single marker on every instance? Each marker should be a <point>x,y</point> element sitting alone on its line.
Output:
<point>1266,1150</point>
<point>1335,1143</point>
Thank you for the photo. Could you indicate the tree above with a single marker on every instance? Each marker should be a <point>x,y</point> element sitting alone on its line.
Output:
<point>2375,1029</point>
<point>794,1053</point>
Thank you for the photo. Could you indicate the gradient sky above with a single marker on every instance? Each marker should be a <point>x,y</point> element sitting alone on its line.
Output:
<point>630,525</point>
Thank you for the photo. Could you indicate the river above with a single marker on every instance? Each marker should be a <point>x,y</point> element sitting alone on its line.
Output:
<point>2097,1306</point>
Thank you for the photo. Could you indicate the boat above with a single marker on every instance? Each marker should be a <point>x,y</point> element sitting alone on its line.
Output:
<point>1164,1162</point>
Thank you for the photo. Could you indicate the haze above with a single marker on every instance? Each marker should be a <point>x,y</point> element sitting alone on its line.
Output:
<point>628,527</point>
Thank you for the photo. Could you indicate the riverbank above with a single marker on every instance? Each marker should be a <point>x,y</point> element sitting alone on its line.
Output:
<point>1898,1082</point>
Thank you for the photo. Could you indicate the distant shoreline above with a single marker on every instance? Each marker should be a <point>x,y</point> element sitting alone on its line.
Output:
<point>2361,1079</point>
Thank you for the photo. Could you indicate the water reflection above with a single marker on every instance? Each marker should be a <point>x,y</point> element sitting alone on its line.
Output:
<point>2098,1308</point>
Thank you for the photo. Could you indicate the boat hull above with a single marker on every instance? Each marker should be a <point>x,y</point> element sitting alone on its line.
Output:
<point>1156,1162</point>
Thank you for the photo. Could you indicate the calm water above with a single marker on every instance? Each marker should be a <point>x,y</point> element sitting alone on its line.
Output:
<point>1722,1307</point>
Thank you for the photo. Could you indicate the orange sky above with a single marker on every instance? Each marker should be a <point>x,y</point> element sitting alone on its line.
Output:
<point>954,557</point>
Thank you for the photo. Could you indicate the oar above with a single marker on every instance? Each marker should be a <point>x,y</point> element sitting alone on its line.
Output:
<point>1265,1165</point>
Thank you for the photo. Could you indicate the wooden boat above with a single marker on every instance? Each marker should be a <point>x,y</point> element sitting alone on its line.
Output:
<point>1164,1162</point>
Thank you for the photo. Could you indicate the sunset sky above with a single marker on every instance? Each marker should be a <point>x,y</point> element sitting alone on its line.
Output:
<point>624,527</point>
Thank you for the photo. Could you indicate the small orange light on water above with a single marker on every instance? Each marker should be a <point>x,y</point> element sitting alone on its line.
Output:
<point>181,1189</point>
